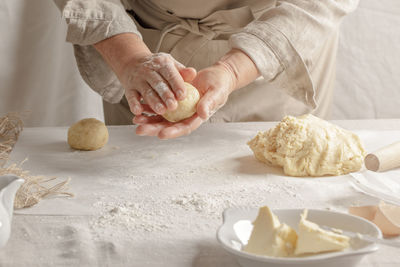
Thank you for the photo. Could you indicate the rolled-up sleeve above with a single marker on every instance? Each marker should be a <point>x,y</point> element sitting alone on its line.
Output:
<point>89,22</point>
<point>283,41</point>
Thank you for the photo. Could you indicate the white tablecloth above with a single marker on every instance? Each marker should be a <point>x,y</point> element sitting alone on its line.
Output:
<point>141,201</point>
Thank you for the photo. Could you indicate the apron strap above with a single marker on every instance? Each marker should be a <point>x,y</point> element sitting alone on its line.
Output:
<point>200,31</point>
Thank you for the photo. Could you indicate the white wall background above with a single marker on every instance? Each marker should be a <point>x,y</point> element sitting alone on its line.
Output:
<point>38,71</point>
<point>368,66</point>
<point>37,67</point>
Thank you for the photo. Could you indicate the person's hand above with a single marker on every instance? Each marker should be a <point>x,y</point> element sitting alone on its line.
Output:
<point>214,83</point>
<point>158,79</point>
<point>158,126</point>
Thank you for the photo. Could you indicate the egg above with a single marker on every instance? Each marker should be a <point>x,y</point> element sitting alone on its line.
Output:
<point>366,212</point>
<point>385,216</point>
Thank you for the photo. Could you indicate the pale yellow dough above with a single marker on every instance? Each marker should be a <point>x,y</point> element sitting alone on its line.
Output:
<point>88,134</point>
<point>309,146</point>
<point>186,108</point>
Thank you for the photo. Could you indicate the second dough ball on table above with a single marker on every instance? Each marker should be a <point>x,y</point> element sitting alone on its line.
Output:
<point>309,146</point>
<point>88,134</point>
<point>186,108</point>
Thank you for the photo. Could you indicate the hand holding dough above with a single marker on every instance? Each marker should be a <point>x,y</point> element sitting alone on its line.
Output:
<point>88,134</point>
<point>186,108</point>
<point>309,146</point>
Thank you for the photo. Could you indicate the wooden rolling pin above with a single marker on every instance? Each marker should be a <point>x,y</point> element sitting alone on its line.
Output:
<point>384,159</point>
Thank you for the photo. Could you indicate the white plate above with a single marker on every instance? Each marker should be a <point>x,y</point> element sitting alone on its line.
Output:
<point>236,228</point>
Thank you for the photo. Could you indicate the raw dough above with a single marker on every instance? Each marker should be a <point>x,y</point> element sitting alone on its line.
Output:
<point>309,146</point>
<point>186,108</point>
<point>88,134</point>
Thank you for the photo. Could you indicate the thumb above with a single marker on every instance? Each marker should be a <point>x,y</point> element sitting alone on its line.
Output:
<point>211,101</point>
<point>188,74</point>
<point>133,98</point>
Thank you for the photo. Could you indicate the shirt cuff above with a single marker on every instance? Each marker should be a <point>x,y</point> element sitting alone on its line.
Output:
<point>97,74</point>
<point>88,26</point>
<point>261,55</point>
<point>276,59</point>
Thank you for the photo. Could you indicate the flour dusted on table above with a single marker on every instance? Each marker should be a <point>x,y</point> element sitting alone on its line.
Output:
<point>130,216</point>
<point>211,205</point>
<point>309,146</point>
<point>177,206</point>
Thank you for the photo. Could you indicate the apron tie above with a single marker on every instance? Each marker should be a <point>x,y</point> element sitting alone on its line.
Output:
<point>200,31</point>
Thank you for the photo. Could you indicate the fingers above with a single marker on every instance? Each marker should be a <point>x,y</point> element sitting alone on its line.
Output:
<point>163,90</point>
<point>185,127</point>
<point>141,119</point>
<point>158,126</point>
<point>211,101</point>
<point>164,77</point>
<point>188,74</point>
<point>159,80</point>
<point>167,67</point>
<point>147,109</point>
<point>171,74</point>
<point>133,98</point>
<point>214,85</point>
<point>152,98</point>
<point>151,129</point>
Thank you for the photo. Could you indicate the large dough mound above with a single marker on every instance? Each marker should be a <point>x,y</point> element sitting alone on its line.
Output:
<point>88,134</point>
<point>186,108</point>
<point>309,146</point>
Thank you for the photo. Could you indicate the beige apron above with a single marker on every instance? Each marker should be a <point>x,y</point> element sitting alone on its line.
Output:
<point>199,43</point>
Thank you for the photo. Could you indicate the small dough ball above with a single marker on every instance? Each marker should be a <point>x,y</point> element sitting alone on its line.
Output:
<point>309,146</point>
<point>88,134</point>
<point>186,108</point>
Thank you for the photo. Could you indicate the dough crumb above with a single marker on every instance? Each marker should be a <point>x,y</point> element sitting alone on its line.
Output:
<point>309,146</point>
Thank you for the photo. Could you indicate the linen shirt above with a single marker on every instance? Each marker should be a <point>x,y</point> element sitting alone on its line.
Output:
<point>281,37</point>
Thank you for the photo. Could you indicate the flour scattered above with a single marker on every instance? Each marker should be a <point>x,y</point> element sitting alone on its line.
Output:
<point>170,200</point>
<point>209,205</point>
<point>129,216</point>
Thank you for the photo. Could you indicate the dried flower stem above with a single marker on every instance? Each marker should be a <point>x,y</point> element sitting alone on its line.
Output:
<point>33,189</point>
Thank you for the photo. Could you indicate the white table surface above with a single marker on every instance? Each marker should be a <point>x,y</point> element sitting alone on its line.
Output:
<point>170,196</point>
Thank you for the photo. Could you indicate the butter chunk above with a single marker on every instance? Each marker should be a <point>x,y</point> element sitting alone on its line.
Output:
<point>313,239</point>
<point>269,237</point>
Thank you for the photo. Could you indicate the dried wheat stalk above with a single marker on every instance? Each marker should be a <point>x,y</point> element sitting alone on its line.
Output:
<point>34,188</point>
<point>11,126</point>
